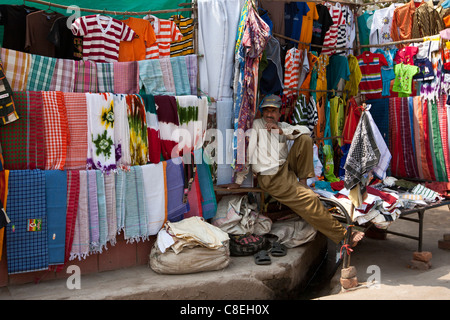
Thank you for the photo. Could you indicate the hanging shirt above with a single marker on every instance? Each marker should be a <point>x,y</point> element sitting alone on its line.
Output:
<point>380,31</point>
<point>427,21</point>
<point>370,64</point>
<point>135,50</point>
<point>406,55</point>
<point>184,46</point>
<point>293,19</point>
<point>101,37</point>
<point>292,70</point>
<point>307,25</point>
<point>403,79</point>
<point>331,36</point>
<point>387,72</point>
<point>166,31</point>
<point>67,46</point>
<point>39,25</point>
<point>364,26</point>
<point>402,22</point>
<point>320,27</point>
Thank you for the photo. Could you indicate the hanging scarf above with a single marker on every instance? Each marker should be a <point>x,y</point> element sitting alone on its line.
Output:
<point>101,150</point>
<point>436,142</point>
<point>191,66</point>
<point>77,148</point>
<point>135,227</point>
<point>17,65</point>
<point>121,131</point>
<point>40,73</point>
<point>151,77</point>
<point>126,77</point>
<point>209,202</point>
<point>102,214</point>
<point>443,126</point>
<point>176,207</point>
<point>166,109</point>
<point>120,193</point>
<point>138,129</point>
<point>180,76</point>
<point>85,76</point>
<point>26,209</point>
<point>80,244</point>
<point>110,198</point>
<point>63,76</point>
<point>167,73</point>
<point>56,209</point>
<point>93,211</point>
<point>154,140</point>
<point>155,198</point>
<point>105,77</point>
<point>56,130</point>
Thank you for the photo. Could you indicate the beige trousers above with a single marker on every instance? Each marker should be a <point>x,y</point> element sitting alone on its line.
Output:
<point>285,188</point>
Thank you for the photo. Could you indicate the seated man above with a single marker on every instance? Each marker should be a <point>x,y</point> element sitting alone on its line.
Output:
<point>283,174</point>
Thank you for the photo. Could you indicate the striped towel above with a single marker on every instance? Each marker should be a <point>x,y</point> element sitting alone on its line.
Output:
<point>169,82</point>
<point>155,198</point>
<point>176,208</point>
<point>85,76</point>
<point>101,150</point>
<point>426,193</point>
<point>154,141</point>
<point>56,130</point>
<point>105,77</point>
<point>21,140</point>
<point>120,190</point>
<point>180,76</point>
<point>80,244</point>
<point>102,215</point>
<point>63,76</point>
<point>126,77</point>
<point>56,208</point>
<point>17,65</point>
<point>77,147</point>
<point>138,129</point>
<point>40,73</point>
<point>151,77</point>
<point>110,198</point>
<point>191,66</point>
<point>121,131</point>
<point>26,234</point>
<point>94,232</point>
<point>136,222</point>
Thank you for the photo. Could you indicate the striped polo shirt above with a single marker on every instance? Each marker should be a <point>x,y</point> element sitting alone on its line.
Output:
<point>184,46</point>
<point>166,31</point>
<point>370,64</point>
<point>101,37</point>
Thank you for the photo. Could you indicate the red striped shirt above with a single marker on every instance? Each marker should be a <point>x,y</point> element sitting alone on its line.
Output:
<point>166,31</point>
<point>101,37</point>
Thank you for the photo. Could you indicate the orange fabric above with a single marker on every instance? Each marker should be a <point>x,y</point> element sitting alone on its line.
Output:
<point>447,21</point>
<point>135,50</point>
<point>307,25</point>
<point>402,22</point>
<point>306,83</point>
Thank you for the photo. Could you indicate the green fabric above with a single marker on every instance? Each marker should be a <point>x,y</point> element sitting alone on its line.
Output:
<point>436,142</point>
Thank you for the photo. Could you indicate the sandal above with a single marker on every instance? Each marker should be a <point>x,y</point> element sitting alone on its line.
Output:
<point>278,249</point>
<point>262,258</point>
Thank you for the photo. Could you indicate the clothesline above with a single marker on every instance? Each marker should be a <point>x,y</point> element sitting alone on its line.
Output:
<point>129,13</point>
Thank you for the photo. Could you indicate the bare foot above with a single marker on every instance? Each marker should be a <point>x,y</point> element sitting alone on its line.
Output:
<point>355,238</point>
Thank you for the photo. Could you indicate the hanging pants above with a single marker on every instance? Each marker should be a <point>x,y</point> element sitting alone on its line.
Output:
<point>285,188</point>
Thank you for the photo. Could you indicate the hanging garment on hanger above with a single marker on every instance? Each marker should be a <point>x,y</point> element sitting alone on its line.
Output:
<point>320,27</point>
<point>166,31</point>
<point>380,30</point>
<point>101,37</point>
<point>39,24</point>
<point>402,21</point>
<point>67,46</point>
<point>135,49</point>
<point>13,18</point>
<point>371,83</point>
<point>330,39</point>
<point>365,22</point>
<point>184,46</point>
<point>293,18</point>
<point>427,21</point>
<point>387,72</point>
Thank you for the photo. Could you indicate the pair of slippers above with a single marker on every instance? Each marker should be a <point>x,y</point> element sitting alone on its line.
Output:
<point>277,250</point>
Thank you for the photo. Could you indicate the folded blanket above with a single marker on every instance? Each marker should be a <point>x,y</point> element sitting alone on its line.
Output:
<point>80,244</point>
<point>101,149</point>
<point>136,223</point>
<point>105,77</point>
<point>56,130</point>
<point>151,77</point>
<point>85,76</point>
<point>138,129</point>
<point>40,73</point>
<point>176,208</point>
<point>154,141</point>
<point>27,245</point>
<point>63,76</point>
<point>121,131</point>
<point>126,77</point>
<point>17,65</point>
<point>56,208</point>
<point>155,198</point>
<point>180,76</point>
<point>166,109</point>
<point>77,147</point>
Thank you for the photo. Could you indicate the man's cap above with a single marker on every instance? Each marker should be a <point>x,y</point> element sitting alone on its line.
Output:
<point>272,101</point>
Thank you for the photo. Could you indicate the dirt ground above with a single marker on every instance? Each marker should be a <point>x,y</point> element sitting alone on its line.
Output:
<point>383,266</point>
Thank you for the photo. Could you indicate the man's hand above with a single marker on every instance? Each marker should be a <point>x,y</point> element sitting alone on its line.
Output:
<point>273,126</point>
<point>231,186</point>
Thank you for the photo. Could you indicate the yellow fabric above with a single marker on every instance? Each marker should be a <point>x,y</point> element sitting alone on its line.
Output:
<point>351,86</point>
<point>322,63</point>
